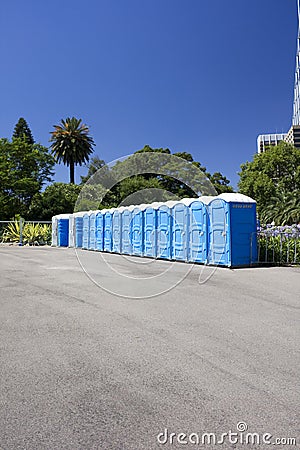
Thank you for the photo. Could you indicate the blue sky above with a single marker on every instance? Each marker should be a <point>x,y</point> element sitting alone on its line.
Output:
<point>200,76</point>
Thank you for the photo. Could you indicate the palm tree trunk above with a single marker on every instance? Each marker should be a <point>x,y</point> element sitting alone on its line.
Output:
<point>72,172</point>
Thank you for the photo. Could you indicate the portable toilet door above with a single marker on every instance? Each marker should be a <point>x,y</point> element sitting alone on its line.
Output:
<point>197,230</point>
<point>92,231</point>
<point>137,230</point>
<point>126,247</point>
<point>242,229</point>
<point>164,232</point>
<point>63,230</point>
<point>85,230</point>
<point>54,231</point>
<point>218,233</point>
<point>71,230</point>
<point>116,226</point>
<point>78,219</point>
<point>150,228</point>
<point>107,246</point>
<point>100,230</point>
<point>179,213</point>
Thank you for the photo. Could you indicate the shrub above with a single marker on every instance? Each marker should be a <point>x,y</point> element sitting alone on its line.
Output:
<point>32,233</point>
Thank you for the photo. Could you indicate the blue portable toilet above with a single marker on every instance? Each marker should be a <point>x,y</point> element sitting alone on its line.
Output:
<point>197,229</point>
<point>117,229</point>
<point>100,230</point>
<point>92,231</point>
<point>126,214</point>
<point>108,231</point>
<point>150,229</point>
<point>86,230</point>
<point>78,225</point>
<point>164,232</point>
<point>179,235</point>
<point>54,231</point>
<point>232,230</point>
<point>137,230</point>
<point>63,230</point>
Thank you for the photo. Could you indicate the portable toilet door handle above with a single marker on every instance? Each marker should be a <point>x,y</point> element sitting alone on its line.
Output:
<point>224,233</point>
<point>201,233</point>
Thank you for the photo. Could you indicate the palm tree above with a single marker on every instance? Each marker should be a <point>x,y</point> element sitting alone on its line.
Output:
<point>72,144</point>
<point>283,208</point>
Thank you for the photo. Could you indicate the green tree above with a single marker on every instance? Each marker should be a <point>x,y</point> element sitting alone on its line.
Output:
<point>220,182</point>
<point>275,171</point>
<point>282,209</point>
<point>58,198</point>
<point>24,169</point>
<point>94,165</point>
<point>23,131</point>
<point>71,144</point>
<point>172,184</point>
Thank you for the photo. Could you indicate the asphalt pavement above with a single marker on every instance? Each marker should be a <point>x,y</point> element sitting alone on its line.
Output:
<point>110,352</point>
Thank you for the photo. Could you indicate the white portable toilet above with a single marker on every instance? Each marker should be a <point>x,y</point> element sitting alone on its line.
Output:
<point>71,230</point>
<point>54,231</point>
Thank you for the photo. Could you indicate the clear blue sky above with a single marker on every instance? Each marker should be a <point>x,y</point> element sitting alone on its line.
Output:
<point>200,76</point>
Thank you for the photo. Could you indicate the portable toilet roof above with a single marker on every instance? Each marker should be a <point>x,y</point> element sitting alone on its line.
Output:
<point>63,216</point>
<point>206,199</point>
<point>235,198</point>
<point>154,205</point>
<point>189,201</point>
<point>171,203</point>
<point>142,206</point>
<point>121,208</point>
<point>79,213</point>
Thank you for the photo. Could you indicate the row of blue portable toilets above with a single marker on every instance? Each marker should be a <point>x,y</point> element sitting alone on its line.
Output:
<point>218,230</point>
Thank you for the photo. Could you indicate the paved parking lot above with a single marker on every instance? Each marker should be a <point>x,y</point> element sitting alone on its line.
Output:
<point>89,362</point>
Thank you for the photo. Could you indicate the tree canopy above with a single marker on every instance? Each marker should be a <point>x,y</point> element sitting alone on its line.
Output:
<point>23,131</point>
<point>24,169</point>
<point>71,144</point>
<point>58,198</point>
<point>152,175</point>
<point>271,178</point>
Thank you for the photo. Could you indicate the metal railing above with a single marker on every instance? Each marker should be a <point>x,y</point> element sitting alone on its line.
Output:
<point>278,245</point>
